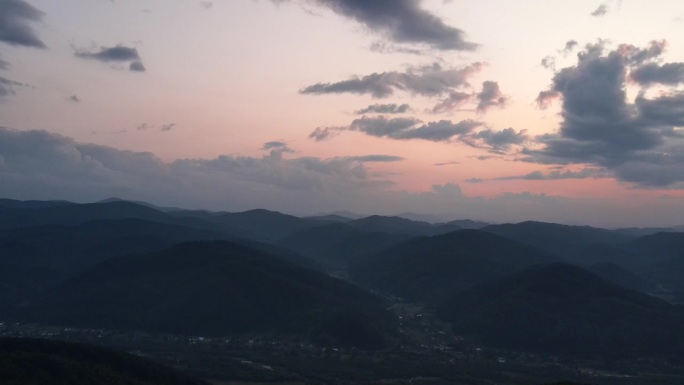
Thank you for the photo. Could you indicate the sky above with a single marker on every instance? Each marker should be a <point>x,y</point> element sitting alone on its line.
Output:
<point>502,111</point>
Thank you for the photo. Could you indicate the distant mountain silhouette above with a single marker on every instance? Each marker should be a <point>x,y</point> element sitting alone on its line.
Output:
<point>620,276</point>
<point>430,269</point>
<point>563,309</point>
<point>400,226</point>
<point>214,288</point>
<point>563,240</point>
<point>335,245</point>
<point>30,361</point>
<point>32,204</point>
<point>468,224</point>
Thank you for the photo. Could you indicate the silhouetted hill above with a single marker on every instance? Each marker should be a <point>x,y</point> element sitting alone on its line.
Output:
<point>336,244</point>
<point>561,308</point>
<point>31,204</point>
<point>622,277</point>
<point>562,240</point>
<point>669,273</point>
<point>431,268</point>
<point>29,361</point>
<point>214,288</point>
<point>400,226</point>
<point>261,225</point>
<point>469,224</point>
<point>657,247</point>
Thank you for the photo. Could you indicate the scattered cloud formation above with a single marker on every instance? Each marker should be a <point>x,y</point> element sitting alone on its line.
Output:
<point>641,140</point>
<point>375,158</point>
<point>438,131</point>
<point>144,126</point>
<point>585,173</point>
<point>497,141</point>
<point>7,87</point>
<point>454,100</point>
<point>75,98</point>
<point>490,96</point>
<point>654,73</point>
<point>432,80</point>
<point>16,23</point>
<point>277,147</point>
<point>385,109</point>
<point>167,127</point>
<point>4,65</point>
<point>116,54</point>
<point>600,11</point>
<point>401,21</point>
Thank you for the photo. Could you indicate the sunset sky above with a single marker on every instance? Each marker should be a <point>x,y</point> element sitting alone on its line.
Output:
<point>563,111</point>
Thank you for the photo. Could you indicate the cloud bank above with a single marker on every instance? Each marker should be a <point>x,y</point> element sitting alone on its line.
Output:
<point>400,21</point>
<point>641,140</point>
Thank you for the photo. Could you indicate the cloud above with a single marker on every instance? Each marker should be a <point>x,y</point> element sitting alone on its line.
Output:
<point>16,19</point>
<point>143,126</point>
<point>167,127</point>
<point>75,98</point>
<point>277,147</point>
<point>42,165</point>
<point>206,4</point>
<point>570,46</point>
<point>401,21</point>
<point>432,80</point>
<point>600,11</point>
<point>585,173</point>
<point>7,87</point>
<point>500,141</point>
<point>452,163</point>
<point>454,100</point>
<point>669,73</point>
<point>438,131</point>
<point>490,96</point>
<point>375,158</point>
<point>116,54</point>
<point>4,65</point>
<point>639,140</point>
<point>385,109</point>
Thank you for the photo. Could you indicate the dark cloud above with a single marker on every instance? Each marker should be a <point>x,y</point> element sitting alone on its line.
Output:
<point>600,11</point>
<point>401,21</point>
<point>375,158</point>
<point>454,100</point>
<point>490,96</point>
<point>452,163</point>
<point>42,165</point>
<point>167,127</point>
<point>549,62</point>
<point>277,147</point>
<point>7,87</point>
<point>669,73</point>
<point>410,128</point>
<point>570,45</point>
<point>16,19</point>
<point>433,80</point>
<point>439,131</point>
<point>546,97</point>
<point>585,173</point>
<point>499,141</point>
<point>640,141</point>
<point>116,54</point>
<point>75,98</point>
<point>137,66</point>
<point>144,126</point>
<point>385,109</point>
<point>4,65</point>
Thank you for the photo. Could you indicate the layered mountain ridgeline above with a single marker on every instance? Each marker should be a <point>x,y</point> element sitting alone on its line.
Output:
<point>335,245</point>
<point>429,269</point>
<point>564,309</point>
<point>565,241</point>
<point>37,257</point>
<point>214,289</point>
<point>28,361</point>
